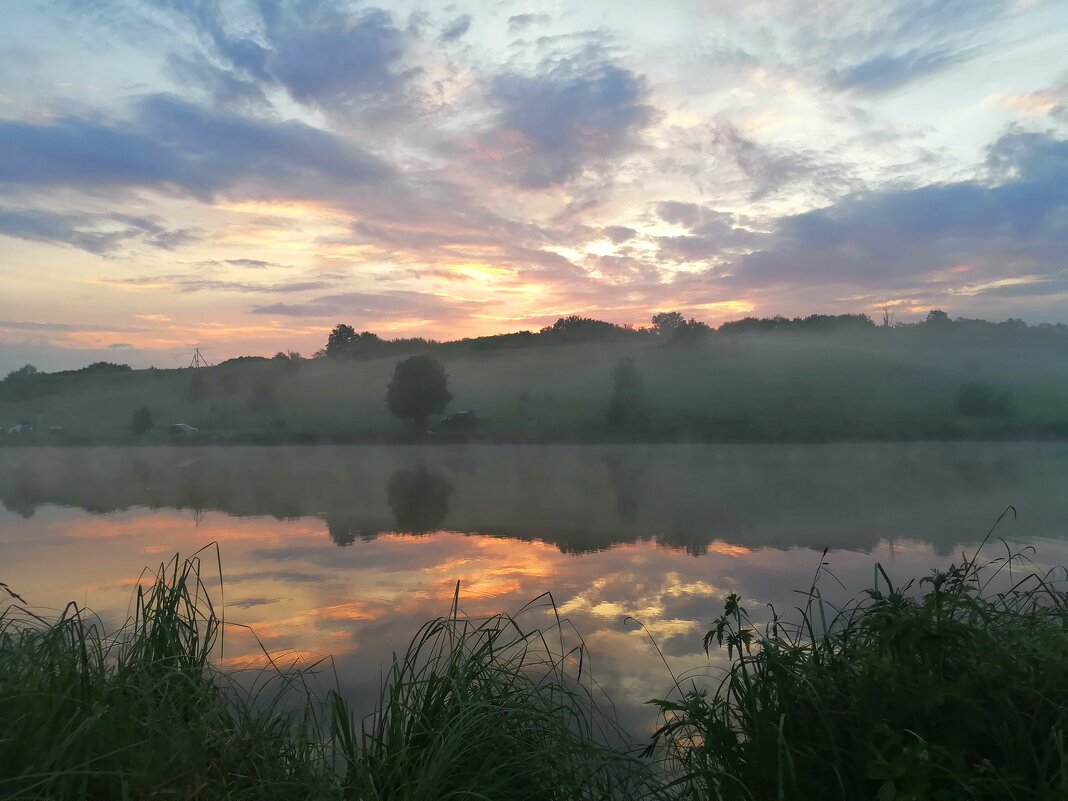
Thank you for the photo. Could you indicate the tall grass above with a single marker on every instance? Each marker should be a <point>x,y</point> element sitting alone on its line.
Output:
<point>140,713</point>
<point>473,710</point>
<point>945,690</point>
<point>488,709</point>
<point>952,688</point>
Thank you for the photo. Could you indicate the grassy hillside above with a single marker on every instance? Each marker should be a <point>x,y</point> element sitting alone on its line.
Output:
<point>861,385</point>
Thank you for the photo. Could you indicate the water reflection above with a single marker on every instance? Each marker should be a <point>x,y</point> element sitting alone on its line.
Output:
<point>579,498</point>
<point>419,499</point>
<point>657,533</point>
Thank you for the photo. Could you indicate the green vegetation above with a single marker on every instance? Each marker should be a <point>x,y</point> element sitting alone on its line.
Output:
<point>947,690</point>
<point>473,710</point>
<point>960,693</point>
<point>418,389</point>
<point>812,379</point>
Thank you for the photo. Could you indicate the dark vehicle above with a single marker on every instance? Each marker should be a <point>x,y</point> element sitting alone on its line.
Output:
<point>466,420</point>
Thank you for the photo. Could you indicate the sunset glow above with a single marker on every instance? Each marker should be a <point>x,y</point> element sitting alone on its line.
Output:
<point>241,178</point>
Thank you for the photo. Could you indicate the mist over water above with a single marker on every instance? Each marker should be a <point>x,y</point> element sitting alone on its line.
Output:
<point>345,551</point>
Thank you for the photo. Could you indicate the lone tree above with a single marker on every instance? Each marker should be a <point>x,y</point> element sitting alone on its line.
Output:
<point>418,389</point>
<point>141,422</point>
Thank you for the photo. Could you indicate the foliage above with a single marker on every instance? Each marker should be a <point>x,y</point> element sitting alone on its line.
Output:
<point>576,328</point>
<point>977,399</point>
<point>489,710</point>
<point>340,339</point>
<point>141,422</point>
<point>25,371</point>
<point>813,324</point>
<point>673,329</point>
<point>418,389</point>
<point>141,713</point>
<point>105,367</point>
<point>473,710</point>
<point>959,692</point>
<point>626,411</point>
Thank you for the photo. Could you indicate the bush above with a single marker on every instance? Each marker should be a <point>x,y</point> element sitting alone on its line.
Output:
<point>957,693</point>
<point>976,399</point>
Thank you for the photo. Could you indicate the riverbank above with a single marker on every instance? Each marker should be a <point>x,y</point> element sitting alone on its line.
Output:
<point>951,687</point>
<point>740,389</point>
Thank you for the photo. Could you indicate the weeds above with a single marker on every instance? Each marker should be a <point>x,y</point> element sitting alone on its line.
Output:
<point>948,690</point>
<point>473,710</point>
<point>953,688</point>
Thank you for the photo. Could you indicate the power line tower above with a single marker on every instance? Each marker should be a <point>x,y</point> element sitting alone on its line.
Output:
<point>199,360</point>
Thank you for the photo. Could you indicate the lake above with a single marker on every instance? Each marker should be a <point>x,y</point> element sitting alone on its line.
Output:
<point>345,551</point>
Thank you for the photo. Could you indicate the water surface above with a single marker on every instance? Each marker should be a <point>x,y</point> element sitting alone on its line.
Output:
<point>347,550</point>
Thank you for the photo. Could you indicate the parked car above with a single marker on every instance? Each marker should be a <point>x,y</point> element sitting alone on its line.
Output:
<point>459,421</point>
<point>181,428</point>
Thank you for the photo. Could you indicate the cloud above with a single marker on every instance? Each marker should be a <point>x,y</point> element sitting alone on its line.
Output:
<point>888,71</point>
<point>100,234</point>
<point>456,29</point>
<point>174,145</point>
<point>969,233</point>
<point>710,233</point>
<point>196,283</point>
<point>521,22</point>
<point>573,114</point>
<point>769,169</point>
<point>26,325</point>
<point>878,50</point>
<point>619,233</point>
<point>329,57</point>
<point>381,306</point>
<point>254,264</point>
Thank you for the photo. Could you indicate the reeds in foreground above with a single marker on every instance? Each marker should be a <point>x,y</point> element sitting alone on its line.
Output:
<point>946,690</point>
<point>473,710</point>
<point>949,689</point>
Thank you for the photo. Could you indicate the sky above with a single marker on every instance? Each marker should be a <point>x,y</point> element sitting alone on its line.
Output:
<point>241,176</point>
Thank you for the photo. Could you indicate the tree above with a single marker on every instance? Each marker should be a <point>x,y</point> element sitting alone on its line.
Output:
<point>626,410</point>
<point>888,316</point>
<point>667,323</point>
<point>340,339</point>
<point>937,317</point>
<point>674,329</point>
<point>141,422</point>
<point>418,389</point>
<point>23,372</point>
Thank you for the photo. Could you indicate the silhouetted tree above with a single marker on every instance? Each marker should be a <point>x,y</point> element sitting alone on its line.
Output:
<point>625,411</point>
<point>23,372</point>
<point>198,388</point>
<point>673,329</point>
<point>667,323</point>
<point>340,339</point>
<point>141,422</point>
<point>418,389</point>
<point>419,499</point>
<point>937,317</point>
